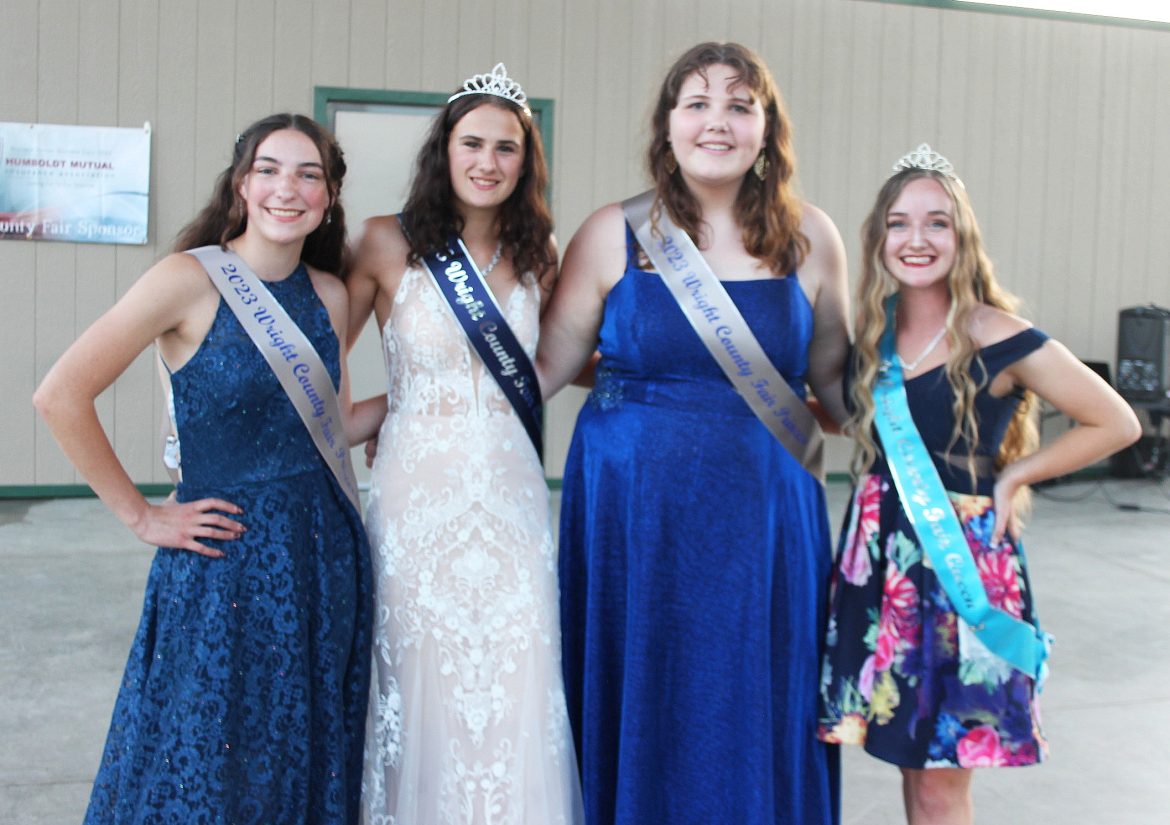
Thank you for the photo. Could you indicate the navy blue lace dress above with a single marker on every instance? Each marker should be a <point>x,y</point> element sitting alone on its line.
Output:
<point>694,569</point>
<point>244,697</point>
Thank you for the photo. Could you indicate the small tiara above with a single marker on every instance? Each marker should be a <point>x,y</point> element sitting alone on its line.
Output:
<point>496,82</point>
<point>926,158</point>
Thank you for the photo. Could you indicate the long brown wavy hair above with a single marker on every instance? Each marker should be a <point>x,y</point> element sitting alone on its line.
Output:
<point>226,217</point>
<point>972,282</point>
<point>525,222</point>
<point>768,210</point>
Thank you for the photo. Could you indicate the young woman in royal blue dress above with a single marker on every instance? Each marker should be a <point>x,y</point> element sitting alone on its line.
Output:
<point>903,675</point>
<point>245,693</point>
<point>694,550</point>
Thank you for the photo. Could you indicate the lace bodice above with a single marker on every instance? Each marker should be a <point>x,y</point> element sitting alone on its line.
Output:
<point>431,371</point>
<point>467,687</point>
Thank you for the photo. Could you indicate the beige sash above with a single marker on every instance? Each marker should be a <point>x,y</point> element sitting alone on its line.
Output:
<point>289,353</point>
<point>725,333</point>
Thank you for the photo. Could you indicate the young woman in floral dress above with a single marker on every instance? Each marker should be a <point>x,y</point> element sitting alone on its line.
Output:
<point>903,675</point>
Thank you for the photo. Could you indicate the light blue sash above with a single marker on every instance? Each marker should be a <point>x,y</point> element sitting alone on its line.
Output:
<point>927,505</point>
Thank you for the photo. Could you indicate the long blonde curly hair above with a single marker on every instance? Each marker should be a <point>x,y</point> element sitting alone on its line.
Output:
<point>972,282</point>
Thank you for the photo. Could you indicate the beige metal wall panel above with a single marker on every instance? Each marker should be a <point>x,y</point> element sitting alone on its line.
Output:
<point>95,267</point>
<point>18,368</point>
<point>1061,131</point>
<point>18,372</point>
<point>292,69</point>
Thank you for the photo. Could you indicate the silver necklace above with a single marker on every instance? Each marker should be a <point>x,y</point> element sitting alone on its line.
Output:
<point>495,259</point>
<point>913,365</point>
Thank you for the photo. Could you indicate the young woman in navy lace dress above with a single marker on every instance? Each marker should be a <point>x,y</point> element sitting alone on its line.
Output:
<point>244,696</point>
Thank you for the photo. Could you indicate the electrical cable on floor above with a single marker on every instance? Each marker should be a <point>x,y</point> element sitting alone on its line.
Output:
<point>1130,507</point>
<point>1152,471</point>
<point>1163,488</point>
<point>1152,468</point>
<point>1043,491</point>
<point>1124,506</point>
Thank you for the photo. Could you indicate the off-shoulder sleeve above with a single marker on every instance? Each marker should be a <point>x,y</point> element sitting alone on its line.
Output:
<point>1003,353</point>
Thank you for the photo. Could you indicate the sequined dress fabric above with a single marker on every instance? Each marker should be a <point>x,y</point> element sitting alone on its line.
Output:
<point>694,563</point>
<point>244,697</point>
<point>467,720</point>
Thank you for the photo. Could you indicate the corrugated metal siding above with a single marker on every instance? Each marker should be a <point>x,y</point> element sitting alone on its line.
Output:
<point>1060,130</point>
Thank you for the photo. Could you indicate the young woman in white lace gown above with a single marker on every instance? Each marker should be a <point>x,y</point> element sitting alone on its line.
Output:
<point>467,720</point>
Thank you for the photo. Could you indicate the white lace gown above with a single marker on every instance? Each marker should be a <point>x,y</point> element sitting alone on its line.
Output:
<point>467,720</point>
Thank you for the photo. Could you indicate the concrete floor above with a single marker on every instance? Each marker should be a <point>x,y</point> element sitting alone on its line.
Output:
<point>71,581</point>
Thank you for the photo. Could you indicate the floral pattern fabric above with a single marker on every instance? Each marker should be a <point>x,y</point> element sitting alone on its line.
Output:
<point>902,674</point>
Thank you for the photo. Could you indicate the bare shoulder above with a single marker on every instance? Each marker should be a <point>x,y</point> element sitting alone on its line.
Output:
<point>823,267</point>
<point>182,274</point>
<point>990,325</point>
<point>328,286</point>
<point>381,249</point>
<point>603,225</point>
<point>177,291</point>
<point>603,232</point>
<point>383,231</point>
<point>174,301</point>
<point>817,226</point>
<point>597,252</point>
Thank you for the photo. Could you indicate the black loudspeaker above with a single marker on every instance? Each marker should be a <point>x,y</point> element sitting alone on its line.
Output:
<point>1143,353</point>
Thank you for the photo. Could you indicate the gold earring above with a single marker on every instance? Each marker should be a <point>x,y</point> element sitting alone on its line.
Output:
<point>760,167</point>
<point>671,162</point>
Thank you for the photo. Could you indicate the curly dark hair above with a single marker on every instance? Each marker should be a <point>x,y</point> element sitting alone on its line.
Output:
<point>525,222</point>
<point>768,210</point>
<point>225,217</point>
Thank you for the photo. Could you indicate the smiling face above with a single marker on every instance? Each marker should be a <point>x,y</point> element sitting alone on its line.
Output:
<point>716,129</point>
<point>486,157</point>
<point>285,190</point>
<point>920,244</point>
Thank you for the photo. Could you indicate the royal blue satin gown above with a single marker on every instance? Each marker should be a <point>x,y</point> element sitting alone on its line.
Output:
<point>694,563</point>
<point>245,693</point>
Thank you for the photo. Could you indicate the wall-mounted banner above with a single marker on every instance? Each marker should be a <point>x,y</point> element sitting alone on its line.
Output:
<point>74,183</point>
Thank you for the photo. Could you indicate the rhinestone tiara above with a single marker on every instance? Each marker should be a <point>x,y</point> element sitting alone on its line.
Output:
<point>926,158</point>
<point>496,82</point>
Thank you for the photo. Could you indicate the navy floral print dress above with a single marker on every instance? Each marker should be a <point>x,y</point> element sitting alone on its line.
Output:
<point>902,675</point>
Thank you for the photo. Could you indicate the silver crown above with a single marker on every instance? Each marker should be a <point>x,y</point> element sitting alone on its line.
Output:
<point>926,158</point>
<point>496,82</point>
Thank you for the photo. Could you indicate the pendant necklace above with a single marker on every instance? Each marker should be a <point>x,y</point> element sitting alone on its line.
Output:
<point>495,259</point>
<point>913,365</point>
